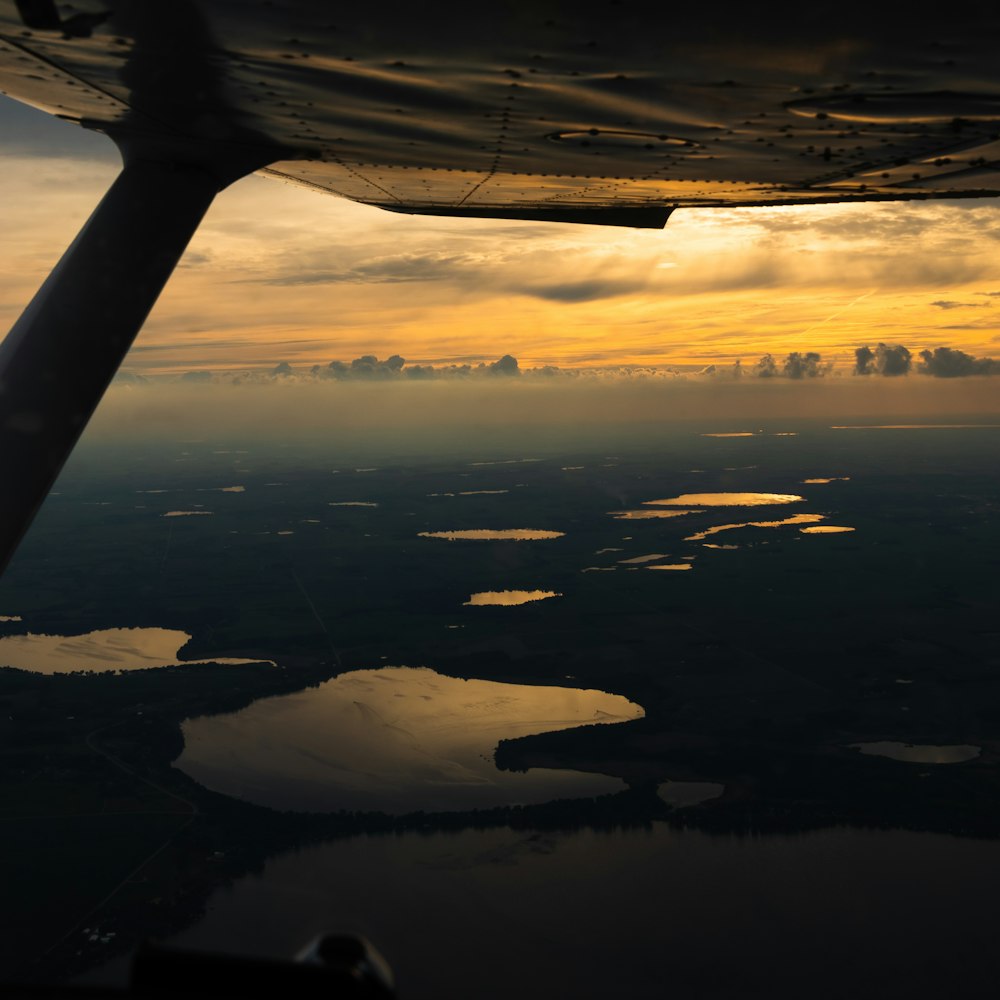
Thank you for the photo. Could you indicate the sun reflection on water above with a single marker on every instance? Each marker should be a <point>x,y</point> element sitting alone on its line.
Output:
<point>794,519</point>
<point>508,598</point>
<point>101,651</point>
<point>649,515</point>
<point>493,534</point>
<point>396,739</point>
<point>725,500</point>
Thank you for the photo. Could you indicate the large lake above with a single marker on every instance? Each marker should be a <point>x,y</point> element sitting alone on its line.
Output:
<point>639,913</point>
<point>397,739</point>
<point>101,651</point>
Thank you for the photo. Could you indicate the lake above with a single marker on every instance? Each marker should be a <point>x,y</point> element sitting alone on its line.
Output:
<point>508,598</point>
<point>715,529</point>
<point>494,534</point>
<point>655,912</point>
<point>397,739</point>
<point>101,651</point>
<point>725,500</point>
<point>916,753</point>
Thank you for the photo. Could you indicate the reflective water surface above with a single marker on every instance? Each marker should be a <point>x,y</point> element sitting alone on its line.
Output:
<point>100,651</point>
<point>826,529</point>
<point>396,739</point>
<point>649,515</point>
<point>725,500</point>
<point>909,427</point>
<point>508,598</point>
<point>919,754</point>
<point>494,534</point>
<point>662,912</point>
<point>794,519</point>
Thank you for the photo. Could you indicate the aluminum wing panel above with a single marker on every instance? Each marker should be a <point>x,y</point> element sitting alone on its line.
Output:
<point>536,109</point>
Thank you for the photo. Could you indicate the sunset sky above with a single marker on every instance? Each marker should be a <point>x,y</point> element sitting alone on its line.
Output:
<point>278,273</point>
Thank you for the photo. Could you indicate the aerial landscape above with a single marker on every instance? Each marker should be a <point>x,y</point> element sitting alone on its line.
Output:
<point>567,609</point>
<point>297,685</point>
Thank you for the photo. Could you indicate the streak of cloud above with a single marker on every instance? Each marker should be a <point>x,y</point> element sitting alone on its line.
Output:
<point>950,304</point>
<point>840,312</point>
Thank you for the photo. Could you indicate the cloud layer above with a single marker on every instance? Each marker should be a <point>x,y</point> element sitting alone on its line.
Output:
<point>277,272</point>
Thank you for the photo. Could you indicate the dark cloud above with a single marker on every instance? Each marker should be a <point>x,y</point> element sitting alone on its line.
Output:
<point>892,359</point>
<point>507,365</point>
<point>411,267</point>
<point>369,368</point>
<point>795,365</point>
<point>420,372</point>
<point>948,362</point>
<point>584,291</point>
<point>864,360</point>
<point>766,367</point>
<point>949,304</point>
<point>807,365</point>
<point>886,359</point>
<point>390,269</point>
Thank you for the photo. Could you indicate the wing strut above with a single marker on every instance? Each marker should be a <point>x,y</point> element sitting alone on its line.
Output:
<point>64,350</point>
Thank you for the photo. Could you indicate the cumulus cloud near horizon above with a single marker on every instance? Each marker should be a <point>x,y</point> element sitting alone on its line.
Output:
<point>948,362</point>
<point>887,360</point>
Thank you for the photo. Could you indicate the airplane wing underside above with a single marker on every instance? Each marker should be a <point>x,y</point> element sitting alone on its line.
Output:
<point>542,111</point>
